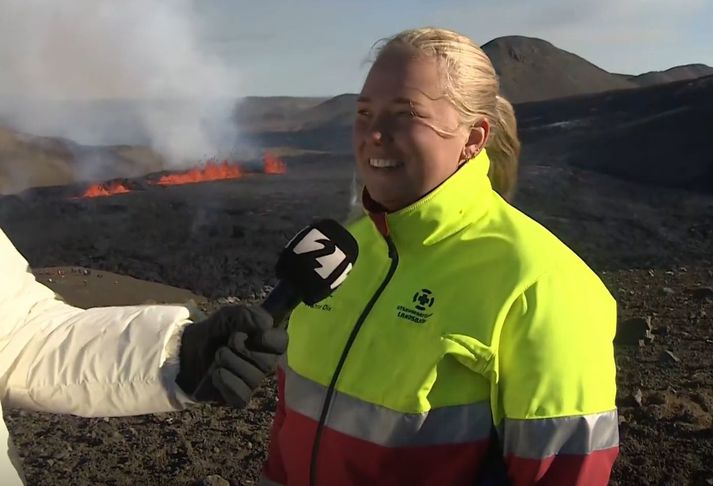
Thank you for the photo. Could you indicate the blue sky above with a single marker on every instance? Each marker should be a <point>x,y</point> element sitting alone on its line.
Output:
<point>317,47</point>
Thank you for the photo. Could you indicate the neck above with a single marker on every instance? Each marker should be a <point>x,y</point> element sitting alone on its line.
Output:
<point>375,206</point>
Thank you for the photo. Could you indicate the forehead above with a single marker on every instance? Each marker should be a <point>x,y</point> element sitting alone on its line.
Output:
<point>401,74</point>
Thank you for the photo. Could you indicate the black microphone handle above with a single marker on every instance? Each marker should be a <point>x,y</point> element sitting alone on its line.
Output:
<point>281,301</point>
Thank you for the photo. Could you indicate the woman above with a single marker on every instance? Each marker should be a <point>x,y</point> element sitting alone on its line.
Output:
<point>465,327</point>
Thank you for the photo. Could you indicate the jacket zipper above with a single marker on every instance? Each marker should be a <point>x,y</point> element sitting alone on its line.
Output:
<point>394,256</point>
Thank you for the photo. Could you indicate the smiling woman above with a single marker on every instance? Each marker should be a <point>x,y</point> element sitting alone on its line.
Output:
<point>416,115</point>
<point>468,342</point>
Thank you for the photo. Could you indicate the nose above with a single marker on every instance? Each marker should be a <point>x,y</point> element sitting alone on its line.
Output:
<point>376,137</point>
<point>378,132</point>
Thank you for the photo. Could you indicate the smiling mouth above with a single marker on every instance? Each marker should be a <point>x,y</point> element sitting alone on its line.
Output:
<point>385,163</point>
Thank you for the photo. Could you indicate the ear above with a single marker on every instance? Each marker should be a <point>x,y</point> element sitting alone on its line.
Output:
<point>477,138</point>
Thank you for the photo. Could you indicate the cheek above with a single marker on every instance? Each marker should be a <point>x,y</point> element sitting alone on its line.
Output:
<point>358,133</point>
<point>431,148</point>
<point>419,138</point>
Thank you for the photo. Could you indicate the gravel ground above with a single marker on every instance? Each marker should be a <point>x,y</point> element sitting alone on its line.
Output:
<point>652,248</point>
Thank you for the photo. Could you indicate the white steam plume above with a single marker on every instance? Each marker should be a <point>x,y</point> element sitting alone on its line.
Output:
<point>110,72</point>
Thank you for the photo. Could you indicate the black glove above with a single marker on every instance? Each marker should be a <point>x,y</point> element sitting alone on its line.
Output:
<point>226,356</point>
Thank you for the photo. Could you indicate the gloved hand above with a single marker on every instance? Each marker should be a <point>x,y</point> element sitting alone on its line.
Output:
<point>226,356</point>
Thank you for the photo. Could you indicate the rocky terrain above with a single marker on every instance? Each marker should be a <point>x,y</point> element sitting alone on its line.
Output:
<point>623,177</point>
<point>652,246</point>
<point>658,135</point>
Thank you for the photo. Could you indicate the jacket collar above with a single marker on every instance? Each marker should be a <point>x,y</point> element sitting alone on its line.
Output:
<point>459,201</point>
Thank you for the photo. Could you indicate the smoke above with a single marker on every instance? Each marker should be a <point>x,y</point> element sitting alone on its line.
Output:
<point>105,72</point>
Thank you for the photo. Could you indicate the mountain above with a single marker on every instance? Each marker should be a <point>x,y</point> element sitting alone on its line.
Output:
<point>255,113</point>
<point>657,135</point>
<point>678,73</point>
<point>556,94</point>
<point>335,111</point>
<point>30,161</point>
<point>530,70</point>
<point>533,70</point>
<point>324,126</point>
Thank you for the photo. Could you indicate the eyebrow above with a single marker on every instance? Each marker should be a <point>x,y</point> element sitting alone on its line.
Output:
<point>407,101</point>
<point>400,100</point>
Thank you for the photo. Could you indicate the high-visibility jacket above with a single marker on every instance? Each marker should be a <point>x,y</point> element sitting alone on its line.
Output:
<point>54,357</point>
<point>461,320</point>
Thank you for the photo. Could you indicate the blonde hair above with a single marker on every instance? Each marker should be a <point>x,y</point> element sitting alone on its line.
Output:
<point>471,84</point>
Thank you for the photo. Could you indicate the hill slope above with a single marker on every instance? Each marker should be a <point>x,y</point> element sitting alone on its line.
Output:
<point>677,73</point>
<point>533,69</point>
<point>659,135</point>
<point>30,161</point>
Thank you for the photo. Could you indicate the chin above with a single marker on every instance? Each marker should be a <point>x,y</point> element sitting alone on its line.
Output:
<point>390,202</point>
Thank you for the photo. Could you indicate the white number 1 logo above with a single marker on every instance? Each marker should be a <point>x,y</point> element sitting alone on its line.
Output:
<point>326,253</point>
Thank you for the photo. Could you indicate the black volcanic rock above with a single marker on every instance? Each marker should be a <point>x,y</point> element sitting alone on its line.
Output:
<point>661,135</point>
<point>533,69</point>
<point>677,73</point>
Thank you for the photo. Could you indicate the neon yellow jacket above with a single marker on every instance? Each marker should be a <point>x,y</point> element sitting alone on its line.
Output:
<point>462,316</point>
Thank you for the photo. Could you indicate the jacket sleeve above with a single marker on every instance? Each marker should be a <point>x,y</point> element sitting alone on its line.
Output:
<point>274,473</point>
<point>556,413</point>
<point>109,361</point>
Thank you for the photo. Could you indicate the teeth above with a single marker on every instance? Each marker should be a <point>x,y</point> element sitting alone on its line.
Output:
<point>384,163</point>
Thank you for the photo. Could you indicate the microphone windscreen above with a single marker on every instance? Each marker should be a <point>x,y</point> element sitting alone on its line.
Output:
<point>317,260</point>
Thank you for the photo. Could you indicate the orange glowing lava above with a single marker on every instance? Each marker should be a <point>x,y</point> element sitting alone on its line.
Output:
<point>212,171</point>
<point>272,164</point>
<point>105,189</point>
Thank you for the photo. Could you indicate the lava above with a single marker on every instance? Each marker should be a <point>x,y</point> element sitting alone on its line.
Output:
<point>104,189</point>
<point>211,171</point>
<point>272,164</point>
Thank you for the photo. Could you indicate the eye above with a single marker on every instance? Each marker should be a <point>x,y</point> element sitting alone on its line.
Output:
<point>363,112</point>
<point>409,114</point>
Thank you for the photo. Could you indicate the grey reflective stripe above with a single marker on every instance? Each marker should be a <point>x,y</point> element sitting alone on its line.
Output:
<point>386,427</point>
<point>541,438</point>
<point>266,482</point>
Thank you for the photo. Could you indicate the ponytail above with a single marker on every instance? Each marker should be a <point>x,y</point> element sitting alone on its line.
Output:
<point>504,150</point>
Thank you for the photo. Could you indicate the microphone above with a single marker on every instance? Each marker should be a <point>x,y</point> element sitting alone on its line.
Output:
<point>311,266</point>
